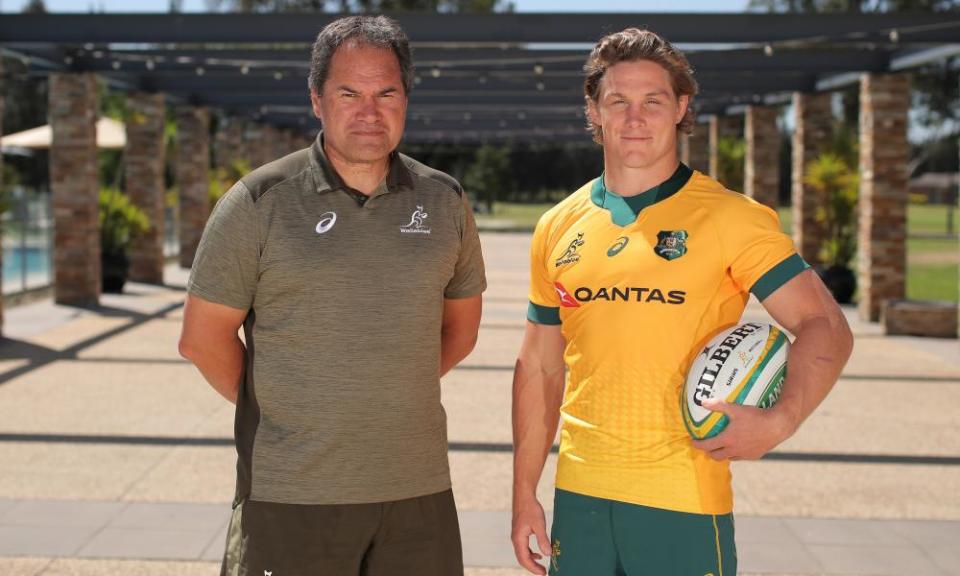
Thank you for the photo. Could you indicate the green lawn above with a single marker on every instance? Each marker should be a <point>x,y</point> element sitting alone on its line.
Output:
<point>932,255</point>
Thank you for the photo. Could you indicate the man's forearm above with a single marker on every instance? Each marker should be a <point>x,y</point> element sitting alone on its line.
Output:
<point>537,396</point>
<point>817,357</point>
<point>221,365</point>
<point>454,347</point>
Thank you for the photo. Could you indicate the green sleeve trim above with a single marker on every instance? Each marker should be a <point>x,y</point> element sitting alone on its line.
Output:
<point>543,314</point>
<point>778,276</point>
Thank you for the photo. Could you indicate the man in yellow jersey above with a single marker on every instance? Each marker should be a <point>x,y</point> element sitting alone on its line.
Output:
<point>630,276</point>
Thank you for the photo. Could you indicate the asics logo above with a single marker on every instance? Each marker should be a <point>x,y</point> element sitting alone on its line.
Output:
<point>327,220</point>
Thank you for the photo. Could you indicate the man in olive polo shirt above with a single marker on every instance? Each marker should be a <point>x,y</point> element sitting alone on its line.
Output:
<point>356,274</point>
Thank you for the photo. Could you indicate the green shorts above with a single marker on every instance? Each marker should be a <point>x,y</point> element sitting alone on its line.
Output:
<point>599,537</point>
<point>417,536</point>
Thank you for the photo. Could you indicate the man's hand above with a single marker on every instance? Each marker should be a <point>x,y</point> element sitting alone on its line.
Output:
<point>751,432</point>
<point>528,518</point>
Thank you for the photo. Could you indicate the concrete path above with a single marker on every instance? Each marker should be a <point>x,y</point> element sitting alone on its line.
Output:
<point>116,457</point>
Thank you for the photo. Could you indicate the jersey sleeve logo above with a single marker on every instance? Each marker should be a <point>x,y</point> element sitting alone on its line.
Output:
<point>671,244</point>
<point>571,256</point>
<point>566,300</point>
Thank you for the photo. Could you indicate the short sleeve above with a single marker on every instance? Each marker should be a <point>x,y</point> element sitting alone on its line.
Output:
<point>761,257</point>
<point>227,262</point>
<point>544,307</point>
<point>469,277</point>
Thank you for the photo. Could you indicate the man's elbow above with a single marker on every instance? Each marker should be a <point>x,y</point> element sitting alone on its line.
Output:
<point>189,348</point>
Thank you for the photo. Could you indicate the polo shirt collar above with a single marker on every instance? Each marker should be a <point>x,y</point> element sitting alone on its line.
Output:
<point>326,178</point>
<point>625,209</point>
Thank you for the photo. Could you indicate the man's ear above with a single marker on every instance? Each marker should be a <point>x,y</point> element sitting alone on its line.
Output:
<point>593,114</point>
<point>682,103</point>
<point>315,104</point>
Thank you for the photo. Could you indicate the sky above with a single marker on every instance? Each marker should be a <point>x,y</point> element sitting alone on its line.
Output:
<point>521,5</point>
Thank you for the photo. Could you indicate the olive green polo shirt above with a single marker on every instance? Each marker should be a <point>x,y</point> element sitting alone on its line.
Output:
<point>340,401</point>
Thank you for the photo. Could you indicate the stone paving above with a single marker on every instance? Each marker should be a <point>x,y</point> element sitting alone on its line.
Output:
<point>116,457</point>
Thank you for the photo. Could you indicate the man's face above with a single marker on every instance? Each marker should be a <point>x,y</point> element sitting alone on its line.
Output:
<point>638,112</point>
<point>363,105</point>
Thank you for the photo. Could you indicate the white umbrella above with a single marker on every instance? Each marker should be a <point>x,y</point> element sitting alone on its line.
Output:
<point>110,134</point>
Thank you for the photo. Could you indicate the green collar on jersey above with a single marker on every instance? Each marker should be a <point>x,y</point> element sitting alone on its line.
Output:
<point>625,209</point>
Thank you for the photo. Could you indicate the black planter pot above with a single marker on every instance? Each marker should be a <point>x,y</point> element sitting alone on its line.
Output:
<point>114,269</point>
<point>841,281</point>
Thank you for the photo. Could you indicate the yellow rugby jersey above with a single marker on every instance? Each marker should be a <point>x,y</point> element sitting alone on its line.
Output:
<point>639,285</point>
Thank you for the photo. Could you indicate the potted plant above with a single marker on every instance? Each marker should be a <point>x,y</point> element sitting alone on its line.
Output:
<point>836,185</point>
<point>120,222</point>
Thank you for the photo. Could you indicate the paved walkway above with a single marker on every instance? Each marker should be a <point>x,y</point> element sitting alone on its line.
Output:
<point>116,458</point>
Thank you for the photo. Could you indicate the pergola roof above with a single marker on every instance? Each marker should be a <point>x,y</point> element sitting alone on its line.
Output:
<point>479,77</point>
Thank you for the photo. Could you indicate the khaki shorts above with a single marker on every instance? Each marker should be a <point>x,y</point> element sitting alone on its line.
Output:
<point>418,536</point>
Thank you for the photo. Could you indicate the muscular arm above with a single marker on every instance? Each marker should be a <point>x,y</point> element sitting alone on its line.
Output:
<point>209,339</point>
<point>537,394</point>
<point>458,333</point>
<point>823,344</point>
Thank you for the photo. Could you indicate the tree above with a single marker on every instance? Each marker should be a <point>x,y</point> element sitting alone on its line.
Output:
<point>363,6</point>
<point>35,7</point>
<point>489,176</point>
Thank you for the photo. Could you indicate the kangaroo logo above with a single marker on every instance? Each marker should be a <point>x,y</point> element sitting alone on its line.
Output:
<point>416,223</point>
<point>571,256</point>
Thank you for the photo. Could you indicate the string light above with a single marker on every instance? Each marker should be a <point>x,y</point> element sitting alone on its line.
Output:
<point>538,69</point>
<point>278,75</point>
<point>435,72</point>
<point>768,50</point>
<point>245,69</point>
<point>200,71</point>
<point>894,35</point>
<point>115,64</point>
<point>150,65</point>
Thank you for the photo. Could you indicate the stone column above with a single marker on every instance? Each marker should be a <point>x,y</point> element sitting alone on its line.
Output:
<point>884,153</point>
<point>193,178</point>
<point>1,187</point>
<point>695,148</point>
<point>284,143</point>
<point>814,125</point>
<point>74,180</point>
<point>228,145</point>
<point>761,174</point>
<point>144,162</point>
<point>722,127</point>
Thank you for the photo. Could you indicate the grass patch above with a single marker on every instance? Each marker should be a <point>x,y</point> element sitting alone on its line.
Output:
<point>512,216</point>
<point>932,282</point>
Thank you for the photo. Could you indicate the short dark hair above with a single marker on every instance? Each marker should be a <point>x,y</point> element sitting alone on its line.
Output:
<point>379,31</point>
<point>634,44</point>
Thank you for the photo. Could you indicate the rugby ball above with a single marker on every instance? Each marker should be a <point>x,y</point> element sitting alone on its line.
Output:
<point>745,365</point>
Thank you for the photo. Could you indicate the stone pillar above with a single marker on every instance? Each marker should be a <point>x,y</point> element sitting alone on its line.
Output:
<point>761,174</point>
<point>284,143</point>
<point>228,145</point>
<point>72,108</point>
<point>722,127</point>
<point>1,187</point>
<point>143,163</point>
<point>695,148</point>
<point>813,128</point>
<point>193,178</point>
<point>884,153</point>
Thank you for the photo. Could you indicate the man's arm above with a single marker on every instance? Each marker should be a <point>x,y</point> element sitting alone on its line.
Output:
<point>458,333</point>
<point>537,395</point>
<point>823,344</point>
<point>209,339</point>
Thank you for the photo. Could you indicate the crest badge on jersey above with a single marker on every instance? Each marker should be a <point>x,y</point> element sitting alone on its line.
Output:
<point>671,244</point>
<point>571,256</point>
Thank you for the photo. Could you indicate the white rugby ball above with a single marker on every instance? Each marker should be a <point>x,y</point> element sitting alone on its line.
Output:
<point>745,364</point>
